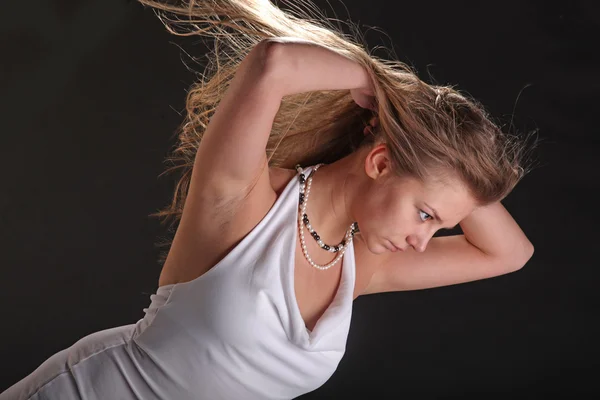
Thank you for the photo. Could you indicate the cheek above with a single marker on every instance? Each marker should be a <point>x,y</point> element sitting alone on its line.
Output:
<point>372,215</point>
<point>396,218</point>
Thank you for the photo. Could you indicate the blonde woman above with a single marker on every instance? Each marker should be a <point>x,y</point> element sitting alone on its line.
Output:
<point>312,173</point>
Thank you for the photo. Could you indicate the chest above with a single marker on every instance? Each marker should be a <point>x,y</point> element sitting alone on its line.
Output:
<point>194,251</point>
<point>316,289</point>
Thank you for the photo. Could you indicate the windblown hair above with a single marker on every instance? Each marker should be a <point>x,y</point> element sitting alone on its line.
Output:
<point>428,129</point>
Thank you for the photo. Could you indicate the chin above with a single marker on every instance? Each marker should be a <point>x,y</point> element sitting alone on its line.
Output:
<point>377,248</point>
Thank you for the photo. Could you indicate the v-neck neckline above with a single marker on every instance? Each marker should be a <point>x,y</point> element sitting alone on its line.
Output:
<point>334,314</point>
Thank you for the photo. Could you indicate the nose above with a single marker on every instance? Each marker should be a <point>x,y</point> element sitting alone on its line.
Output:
<point>418,242</point>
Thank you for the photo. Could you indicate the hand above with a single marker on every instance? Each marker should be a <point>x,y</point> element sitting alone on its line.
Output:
<point>365,98</point>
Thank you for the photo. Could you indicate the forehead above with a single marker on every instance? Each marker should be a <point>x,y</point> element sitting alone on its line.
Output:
<point>446,186</point>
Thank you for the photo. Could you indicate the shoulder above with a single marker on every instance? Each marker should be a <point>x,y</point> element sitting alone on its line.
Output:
<point>367,263</point>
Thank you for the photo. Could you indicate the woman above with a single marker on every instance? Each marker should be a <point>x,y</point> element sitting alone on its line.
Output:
<point>289,208</point>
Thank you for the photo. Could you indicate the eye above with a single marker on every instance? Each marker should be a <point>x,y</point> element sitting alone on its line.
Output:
<point>421,212</point>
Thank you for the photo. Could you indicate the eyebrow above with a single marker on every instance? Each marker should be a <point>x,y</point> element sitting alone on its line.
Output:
<point>438,217</point>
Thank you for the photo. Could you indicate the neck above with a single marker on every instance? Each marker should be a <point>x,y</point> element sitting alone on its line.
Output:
<point>331,193</point>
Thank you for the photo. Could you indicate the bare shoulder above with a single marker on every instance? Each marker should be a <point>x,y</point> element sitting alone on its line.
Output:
<point>367,263</point>
<point>211,227</point>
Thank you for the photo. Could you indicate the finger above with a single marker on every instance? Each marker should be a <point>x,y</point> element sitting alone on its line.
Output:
<point>373,105</point>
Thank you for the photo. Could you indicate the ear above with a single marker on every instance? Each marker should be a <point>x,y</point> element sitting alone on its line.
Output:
<point>377,161</point>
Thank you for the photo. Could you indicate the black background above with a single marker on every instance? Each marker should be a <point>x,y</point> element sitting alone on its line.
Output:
<point>92,92</point>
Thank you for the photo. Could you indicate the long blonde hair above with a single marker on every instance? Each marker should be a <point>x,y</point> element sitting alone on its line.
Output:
<point>428,129</point>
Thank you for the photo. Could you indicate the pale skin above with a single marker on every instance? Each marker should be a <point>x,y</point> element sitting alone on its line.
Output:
<point>219,210</point>
<point>363,188</point>
<point>397,224</point>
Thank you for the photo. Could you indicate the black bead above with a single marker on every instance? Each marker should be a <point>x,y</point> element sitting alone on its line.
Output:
<point>326,247</point>
<point>343,243</point>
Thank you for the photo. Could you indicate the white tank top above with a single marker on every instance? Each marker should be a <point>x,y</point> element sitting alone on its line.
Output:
<point>235,332</point>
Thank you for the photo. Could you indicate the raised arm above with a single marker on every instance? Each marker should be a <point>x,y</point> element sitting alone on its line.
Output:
<point>305,66</point>
<point>492,244</point>
<point>232,152</point>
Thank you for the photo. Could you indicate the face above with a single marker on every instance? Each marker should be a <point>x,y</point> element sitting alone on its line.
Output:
<point>403,211</point>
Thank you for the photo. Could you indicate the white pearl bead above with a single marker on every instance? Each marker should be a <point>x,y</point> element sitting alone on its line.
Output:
<point>341,248</point>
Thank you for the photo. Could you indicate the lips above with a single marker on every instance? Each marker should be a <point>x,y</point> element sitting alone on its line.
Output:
<point>393,247</point>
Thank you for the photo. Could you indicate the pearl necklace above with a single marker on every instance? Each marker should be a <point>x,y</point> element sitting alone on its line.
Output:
<point>303,219</point>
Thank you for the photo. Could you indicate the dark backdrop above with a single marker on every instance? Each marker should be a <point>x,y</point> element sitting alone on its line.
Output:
<point>92,91</point>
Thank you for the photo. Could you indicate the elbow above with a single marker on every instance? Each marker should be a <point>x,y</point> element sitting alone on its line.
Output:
<point>525,256</point>
<point>272,60</point>
<point>263,65</point>
<point>281,66</point>
<point>528,250</point>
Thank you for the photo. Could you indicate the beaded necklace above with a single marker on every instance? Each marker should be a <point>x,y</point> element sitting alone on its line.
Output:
<point>303,219</point>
